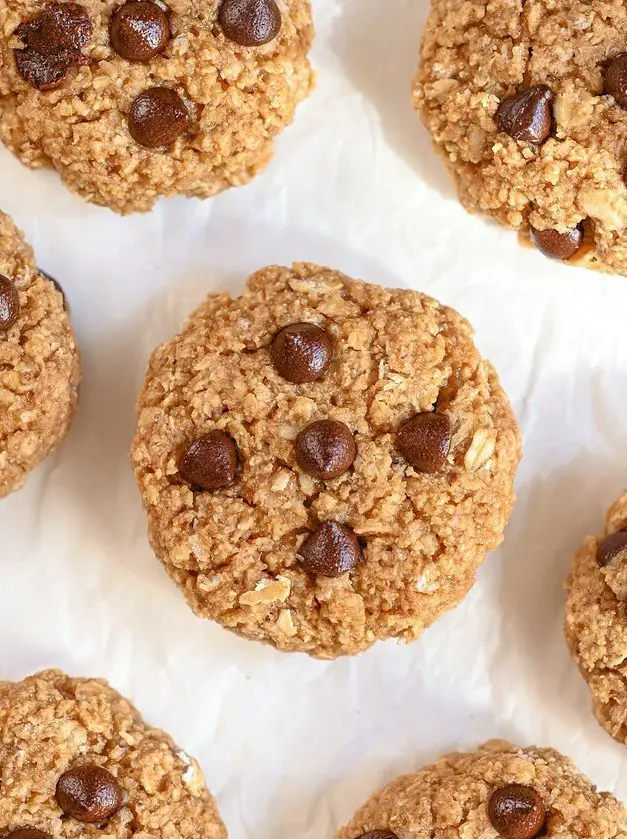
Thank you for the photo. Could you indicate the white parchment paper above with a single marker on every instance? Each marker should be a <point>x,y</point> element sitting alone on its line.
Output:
<point>292,746</point>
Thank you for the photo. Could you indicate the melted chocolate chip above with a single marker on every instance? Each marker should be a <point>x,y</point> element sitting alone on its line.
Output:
<point>9,303</point>
<point>378,834</point>
<point>158,116</point>
<point>615,79</point>
<point>325,449</point>
<point>139,30</point>
<point>40,71</point>
<point>210,462</point>
<point>330,551</point>
<point>250,23</point>
<point>27,833</point>
<point>58,27</point>
<point>89,793</point>
<point>528,115</point>
<point>613,549</point>
<point>54,40</point>
<point>558,245</point>
<point>516,812</point>
<point>425,441</point>
<point>302,352</point>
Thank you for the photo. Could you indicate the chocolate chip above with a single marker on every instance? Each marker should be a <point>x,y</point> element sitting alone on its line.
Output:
<point>139,30</point>
<point>528,115</point>
<point>615,79</point>
<point>38,70</point>
<point>158,116</point>
<point>325,449</point>
<point>558,245</point>
<point>425,441</point>
<point>331,551</point>
<point>9,303</point>
<point>516,812</point>
<point>27,833</point>
<point>379,834</point>
<point>210,462</point>
<point>250,23</point>
<point>612,549</point>
<point>89,793</point>
<point>58,27</point>
<point>302,352</point>
<point>54,40</point>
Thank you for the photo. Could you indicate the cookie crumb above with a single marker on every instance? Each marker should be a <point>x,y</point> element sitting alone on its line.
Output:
<point>267,591</point>
<point>285,623</point>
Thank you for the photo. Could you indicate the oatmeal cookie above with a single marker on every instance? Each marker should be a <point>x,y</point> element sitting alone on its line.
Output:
<point>527,101</point>
<point>499,790</point>
<point>324,463</point>
<point>38,361</point>
<point>596,619</point>
<point>131,101</point>
<point>76,759</point>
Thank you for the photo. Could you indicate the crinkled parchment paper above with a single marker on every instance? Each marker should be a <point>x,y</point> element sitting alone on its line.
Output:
<point>292,746</point>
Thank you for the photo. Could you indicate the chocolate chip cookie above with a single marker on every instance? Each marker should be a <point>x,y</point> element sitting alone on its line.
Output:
<point>596,618</point>
<point>324,463</point>
<point>527,101</point>
<point>78,760</point>
<point>497,791</point>
<point>39,365</point>
<point>133,100</point>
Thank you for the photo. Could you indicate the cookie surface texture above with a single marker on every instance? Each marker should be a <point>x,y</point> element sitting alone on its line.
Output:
<point>596,618</point>
<point>499,790</point>
<point>324,538</point>
<point>525,101</point>
<point>39,363</point>
<point>133,101</point>
<point>78,760</point>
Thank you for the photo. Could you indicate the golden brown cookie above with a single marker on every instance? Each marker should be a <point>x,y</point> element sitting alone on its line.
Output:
<point>133,101</point>
<point>527,101</point>
<point>497,791</point>
<point>78,760</point>
<point>596,618</point>
<point>324,463</point>
<point>39,363</point>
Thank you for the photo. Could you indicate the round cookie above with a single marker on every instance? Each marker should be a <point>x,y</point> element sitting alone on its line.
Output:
<point>39,363</point>
<point>78,760</point>
<point>527,101</point>
<point>499,790</point>
<point>131,101</point>
<point>596,618</point>
<point>274,454</point>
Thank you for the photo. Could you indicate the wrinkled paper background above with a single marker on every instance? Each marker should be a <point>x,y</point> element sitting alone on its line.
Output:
<point>290,746</point>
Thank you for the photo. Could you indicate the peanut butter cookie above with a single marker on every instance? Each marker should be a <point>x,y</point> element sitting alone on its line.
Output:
<point>497,791</point>
<point>78,760</point>
<point>38,361</point>
<point>527,101</point>
<point>324,463</point>
<point>134,100</point>
<point>596,619</point>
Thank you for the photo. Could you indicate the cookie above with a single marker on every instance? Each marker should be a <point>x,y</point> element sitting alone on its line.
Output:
<point>596,618</point>
<point>499,790</point>
<point>527,101</point>
<point>39,364</point>
<point>324,463</point>
<point>132,101</point>
<point>78,760</point>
